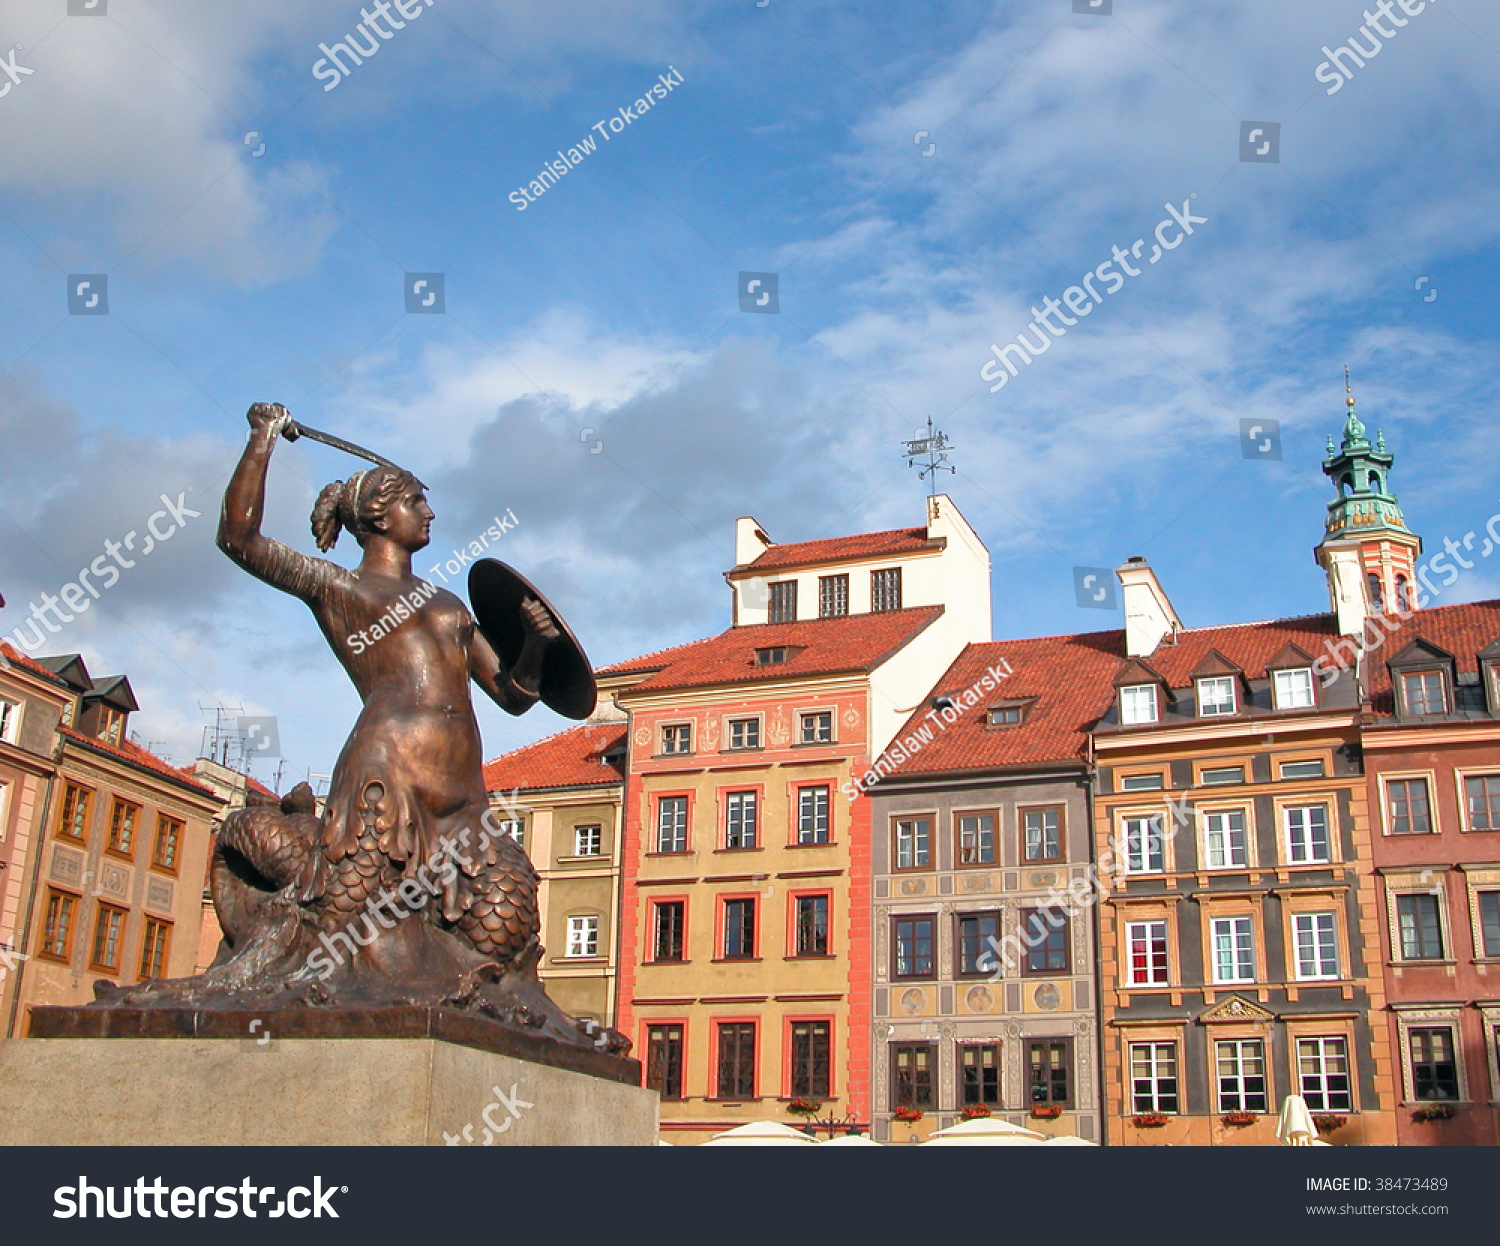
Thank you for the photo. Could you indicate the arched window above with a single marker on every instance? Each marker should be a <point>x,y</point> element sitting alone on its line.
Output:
<point>1375,482</point>
<point>1346,486</point>
<point>1405,600</point>
<point>1376,605</point>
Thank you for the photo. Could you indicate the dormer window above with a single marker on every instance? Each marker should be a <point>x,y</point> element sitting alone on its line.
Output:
<point>1138,704</point>
<point>1216,696</point>
<point>111,724</point>
<point>1294,688</point>
<point>1005,716</point>
<point>771,657</point>
<point>1423,694</point>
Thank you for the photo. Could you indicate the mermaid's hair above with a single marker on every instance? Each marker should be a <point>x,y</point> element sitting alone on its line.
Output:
<point>358,503</point>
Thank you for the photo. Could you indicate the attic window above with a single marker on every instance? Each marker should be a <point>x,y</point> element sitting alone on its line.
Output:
<point>1008,715</point>
<point>1216,696</point>
<point>1424,694</point>
<point>1138,704</point>
<point>771,657</point>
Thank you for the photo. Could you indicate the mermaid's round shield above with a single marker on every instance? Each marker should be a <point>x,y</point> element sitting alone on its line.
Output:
<point>496,592</point>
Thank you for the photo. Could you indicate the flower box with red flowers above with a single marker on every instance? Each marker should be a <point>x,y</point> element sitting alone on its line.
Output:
<point>1046,1111</point>
<point>975,1111</point>
<point>1327,1122</point>
<point>904,1113</point>
<point>1241,1118</point>
<point>1435,1112</point>
<point>1150,1120</point>
<point>804,1107</point>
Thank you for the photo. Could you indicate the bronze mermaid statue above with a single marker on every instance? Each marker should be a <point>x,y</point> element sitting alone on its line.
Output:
<point>405,890</point>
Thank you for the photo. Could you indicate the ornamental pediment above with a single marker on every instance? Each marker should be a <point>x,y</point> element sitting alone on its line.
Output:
<point>1236,1008</point>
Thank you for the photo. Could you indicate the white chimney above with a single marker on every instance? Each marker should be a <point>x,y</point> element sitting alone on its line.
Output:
<point>1344,564</point>
<point>750,541</point>
<point>1149,616</point>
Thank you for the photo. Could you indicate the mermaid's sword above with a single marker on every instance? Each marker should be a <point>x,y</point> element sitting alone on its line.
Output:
<point>294,430</point>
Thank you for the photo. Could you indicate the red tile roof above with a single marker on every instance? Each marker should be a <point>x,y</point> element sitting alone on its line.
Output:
<point>16,658</point>
<point>1248,645</point>
<point>854,642</point>
<point>1460,630</point>
<point>134,753</point>
<point>572,758</point>
<point>1071,679</point>
<point>866,545</point>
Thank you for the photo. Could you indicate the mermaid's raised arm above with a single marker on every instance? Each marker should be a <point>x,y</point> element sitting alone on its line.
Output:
<point>244,500</point>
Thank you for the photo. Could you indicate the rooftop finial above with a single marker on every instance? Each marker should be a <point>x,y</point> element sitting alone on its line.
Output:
<point>1348,388</point>
<point>1354,431</point>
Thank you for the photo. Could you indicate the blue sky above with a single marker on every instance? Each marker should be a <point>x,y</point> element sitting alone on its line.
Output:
<point>611,303</point>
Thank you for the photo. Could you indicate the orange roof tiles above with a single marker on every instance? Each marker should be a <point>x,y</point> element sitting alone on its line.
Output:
<point>866,545</point>
<point>1249,646</point>
<point>134,753</point>
<point>571,758</point>
<point>1460,630</point>
<point>17,658</point>
<point>852,642</point>
<point>1070,678</point>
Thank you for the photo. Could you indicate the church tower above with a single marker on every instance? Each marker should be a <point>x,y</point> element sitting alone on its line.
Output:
<point>1367,550</point>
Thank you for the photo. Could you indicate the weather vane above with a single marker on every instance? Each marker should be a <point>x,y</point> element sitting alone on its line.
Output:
<point>933,448</point>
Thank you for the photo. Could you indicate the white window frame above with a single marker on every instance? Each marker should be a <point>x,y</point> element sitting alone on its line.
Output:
<point>1226,839</point>
<point>1438,895</point>
<point>1301,838</point>
<point>1205,781</point>
<point>1293,688</point>
<point>10,719</point>
<point>1218,711</point>
<point>593,846</point>
<point>673,729</point>
<point>1132,857</point>
<point>1323,1043</point>
<point>907,846</point>
<point>1313,924</point>
<point>1463,790</point>
<point>1149,926</point>
<point>745,724</point>
<point>1237,1057</point>
<point>1159,785</point>
<point>1161,1067</point>
<point>661,808</point>
<point>1133,714</point>
<point>742,808</point>
<point>807,716</point>
<point>1303,761</point>
<point>809,834</point>
<point>1239,930</point>
<point>583,936</point>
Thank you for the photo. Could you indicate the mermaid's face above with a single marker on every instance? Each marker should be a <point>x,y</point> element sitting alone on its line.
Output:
<point>408,520</point>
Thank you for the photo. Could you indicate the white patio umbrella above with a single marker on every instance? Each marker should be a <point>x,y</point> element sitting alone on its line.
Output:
<point>1296,1128</point>
<point>850,1140</point>
<point>985,1131</point>
<point>1068,1140</point>
<point>761,1133</point>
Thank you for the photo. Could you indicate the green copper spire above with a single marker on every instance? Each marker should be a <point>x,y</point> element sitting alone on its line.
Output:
<point>1361,473</point>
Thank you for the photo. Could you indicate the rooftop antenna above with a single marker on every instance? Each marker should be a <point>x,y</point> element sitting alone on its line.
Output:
<point>933,446</point>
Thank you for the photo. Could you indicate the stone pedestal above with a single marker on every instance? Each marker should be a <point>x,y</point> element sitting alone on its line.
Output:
<point>266,1089</point>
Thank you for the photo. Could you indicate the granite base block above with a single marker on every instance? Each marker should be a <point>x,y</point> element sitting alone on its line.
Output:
<point>305,1092</point>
